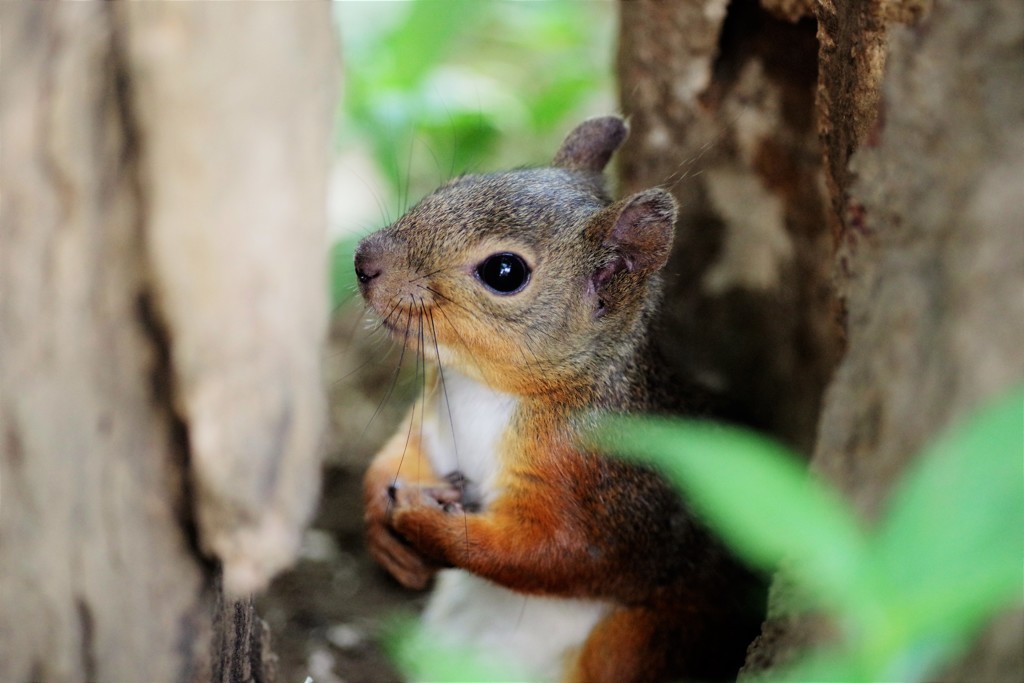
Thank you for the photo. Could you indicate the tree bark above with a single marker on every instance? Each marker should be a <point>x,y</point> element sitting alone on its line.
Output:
<point>889,173</point>
<point>156,424</point>
<point>721,107</point>
<point>929,260</point>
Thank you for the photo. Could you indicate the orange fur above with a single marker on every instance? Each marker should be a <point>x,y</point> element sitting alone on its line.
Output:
<point>544,535</point>
<point>570,344</point>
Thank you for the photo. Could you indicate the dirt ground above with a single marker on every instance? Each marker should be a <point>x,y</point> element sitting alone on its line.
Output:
<point>326,614</point>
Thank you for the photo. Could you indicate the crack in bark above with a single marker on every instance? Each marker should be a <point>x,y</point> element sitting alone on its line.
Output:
<point>154,329</point>
<point>87,645</point>
<point>150,323</point>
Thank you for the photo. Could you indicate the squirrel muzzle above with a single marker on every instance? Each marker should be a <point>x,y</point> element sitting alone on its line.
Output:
<point>388,283</point>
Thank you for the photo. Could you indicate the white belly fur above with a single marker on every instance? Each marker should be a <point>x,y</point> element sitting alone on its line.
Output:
<point>535,636</point>
<point>534,633</point>
<point>463,433</point>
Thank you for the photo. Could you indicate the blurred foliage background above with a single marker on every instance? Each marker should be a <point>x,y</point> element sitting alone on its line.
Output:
<point>437,88</point>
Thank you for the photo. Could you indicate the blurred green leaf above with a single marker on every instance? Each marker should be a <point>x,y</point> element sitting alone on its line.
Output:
<point>759,497</point>
<point>507,72</point>
<point>458,143</point>
<point>422,656</point>
<point>826,664</point>
<point>426,36</point>
<point>951,547</point>
<point>553,103</point>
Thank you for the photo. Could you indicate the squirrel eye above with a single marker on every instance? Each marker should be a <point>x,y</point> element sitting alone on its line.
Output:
<point>504,273</point>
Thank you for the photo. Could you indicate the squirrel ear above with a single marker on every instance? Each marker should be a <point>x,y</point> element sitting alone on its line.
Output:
<point>590,145</point>
<point>643,230</point>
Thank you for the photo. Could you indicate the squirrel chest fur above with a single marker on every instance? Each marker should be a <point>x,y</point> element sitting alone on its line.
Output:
<point>533,293</point>
<point>465,428</point>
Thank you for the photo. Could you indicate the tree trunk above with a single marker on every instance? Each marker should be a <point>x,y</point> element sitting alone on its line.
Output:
<point>884,184</point>
<point>162,306</point>
<point>721,108</point>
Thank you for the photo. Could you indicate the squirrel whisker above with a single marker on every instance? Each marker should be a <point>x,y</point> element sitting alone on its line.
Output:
<point>431,274</point>
<point>472,314</point>
<point>446,299</point>
<point>391,387</point>
<point>448,407</point>
<point>412,414</point>
<point>423,382</point>
<point>467,347</point>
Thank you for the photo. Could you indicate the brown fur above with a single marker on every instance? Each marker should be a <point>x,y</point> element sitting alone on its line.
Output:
<point>572,346</point>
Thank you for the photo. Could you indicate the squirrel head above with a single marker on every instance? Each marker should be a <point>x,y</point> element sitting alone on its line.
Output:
<point>532,281</point>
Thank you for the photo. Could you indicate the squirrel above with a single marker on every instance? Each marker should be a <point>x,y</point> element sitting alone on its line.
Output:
<point>535,294</point>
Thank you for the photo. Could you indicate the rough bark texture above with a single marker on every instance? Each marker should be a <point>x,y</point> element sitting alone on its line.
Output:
<point>905,205</point>
<point>721,108</point>
<point>241,649</point>
<point>931,261</point>
<point>233,177</point>
<point>105,253</point>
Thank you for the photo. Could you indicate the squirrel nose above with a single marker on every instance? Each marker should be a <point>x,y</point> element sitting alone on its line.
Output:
<point>367,262</point>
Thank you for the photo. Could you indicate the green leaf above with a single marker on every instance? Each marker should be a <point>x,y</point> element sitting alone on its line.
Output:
<point>503,72</point>
<point>759,497</point>
<point>550,104</point>
<point>951,548</point>
<point>828,663</point>
<point>425,38</point>
<point>462,140</point>
<point>423,656</point>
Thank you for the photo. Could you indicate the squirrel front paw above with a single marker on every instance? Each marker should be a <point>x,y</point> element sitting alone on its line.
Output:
<point>424,516</point>
<point>445,498</point>
<point>386,544</point>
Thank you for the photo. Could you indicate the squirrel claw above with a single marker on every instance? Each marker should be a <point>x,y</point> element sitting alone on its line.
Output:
<point>443,498</point>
